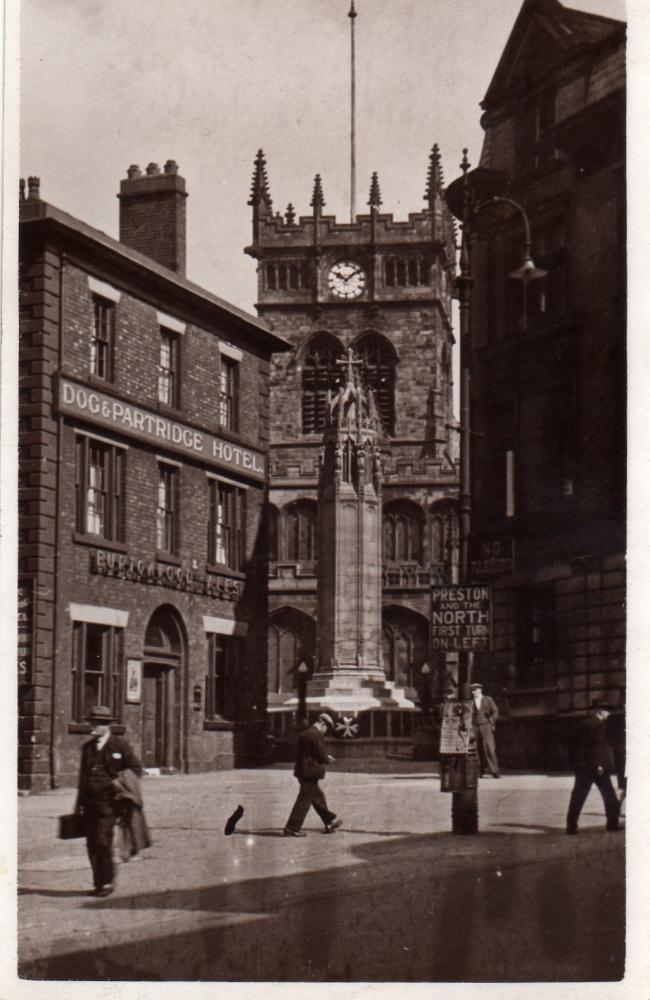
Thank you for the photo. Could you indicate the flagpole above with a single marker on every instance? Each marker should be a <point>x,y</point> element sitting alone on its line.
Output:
<point>353,164</point>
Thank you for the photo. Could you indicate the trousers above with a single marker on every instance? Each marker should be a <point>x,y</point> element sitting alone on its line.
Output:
<point>585,778</point>
<point>487,749</point>
<point>309,794</point>
<point>100,821</point>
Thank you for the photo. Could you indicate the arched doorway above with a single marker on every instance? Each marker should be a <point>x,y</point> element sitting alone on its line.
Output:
<point>163,669</point>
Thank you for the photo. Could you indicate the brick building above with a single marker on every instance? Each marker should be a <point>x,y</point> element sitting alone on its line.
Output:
<point>548,391</point>
<point>382,288</point>
<point>143,444</point>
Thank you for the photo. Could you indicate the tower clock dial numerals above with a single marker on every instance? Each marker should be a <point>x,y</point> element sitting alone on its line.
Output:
<point>346,280</point>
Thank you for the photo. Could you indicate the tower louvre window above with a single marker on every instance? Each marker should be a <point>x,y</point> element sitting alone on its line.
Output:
<point>321,374</point>
<point>284,275</point>
<point>378,373</point>
<point>406,272</point>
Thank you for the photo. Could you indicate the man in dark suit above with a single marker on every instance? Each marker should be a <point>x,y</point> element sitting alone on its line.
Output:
<point>484,717</point>
<point>310,767</point>
<point>592,761</point>
<point>102,759</point>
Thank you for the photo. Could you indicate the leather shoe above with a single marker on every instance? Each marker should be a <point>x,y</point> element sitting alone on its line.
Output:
<point>572,830</point>
<point>103,890</point>
<point>334,825</point>
<point>293,833</point>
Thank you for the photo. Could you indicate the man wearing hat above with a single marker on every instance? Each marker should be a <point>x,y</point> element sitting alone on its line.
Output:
<point>484,716</point>
<point>593,762</point>
<point>102,759</point>
<point>310,768</point>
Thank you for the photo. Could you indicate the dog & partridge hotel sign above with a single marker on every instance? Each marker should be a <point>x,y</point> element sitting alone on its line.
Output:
<point>461,619</point>
<point>126,418</point>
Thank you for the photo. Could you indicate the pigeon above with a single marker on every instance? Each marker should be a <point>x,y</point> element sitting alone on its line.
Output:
<point>233,821</point>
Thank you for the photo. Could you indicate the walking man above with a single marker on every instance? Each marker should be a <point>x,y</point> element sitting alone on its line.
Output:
<point>103,757</point>
<point>484,716</point>
<point>592,761</point>
<point>310,768</point>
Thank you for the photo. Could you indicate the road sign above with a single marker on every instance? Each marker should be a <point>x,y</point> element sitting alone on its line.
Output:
<point>490,557</point>
<point>461,618</point>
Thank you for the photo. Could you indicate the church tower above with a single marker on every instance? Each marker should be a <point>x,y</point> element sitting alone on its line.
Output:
<point>382,288</point>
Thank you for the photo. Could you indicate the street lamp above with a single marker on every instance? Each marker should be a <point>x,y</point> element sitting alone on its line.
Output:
<point>425,701</point>
<point>303,670</point>
<point>467,197</point>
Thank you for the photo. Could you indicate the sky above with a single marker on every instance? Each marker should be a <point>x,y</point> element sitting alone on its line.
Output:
<point>108,83</point>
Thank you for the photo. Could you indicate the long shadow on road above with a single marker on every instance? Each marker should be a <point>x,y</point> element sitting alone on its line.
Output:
<point>510,907</point>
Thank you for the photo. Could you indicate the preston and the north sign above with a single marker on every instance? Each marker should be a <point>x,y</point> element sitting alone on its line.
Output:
<point>460,618</point>
<point>117,415</point>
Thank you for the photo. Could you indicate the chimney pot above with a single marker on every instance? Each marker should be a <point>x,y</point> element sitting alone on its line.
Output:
<point>34,186</point>
<point>22,188</point>
<point>153,215</point>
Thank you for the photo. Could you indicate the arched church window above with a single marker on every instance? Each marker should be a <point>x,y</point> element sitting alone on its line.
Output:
<point>320,374</point>
<point>403,532</point>
<point>301,531</point>
<point>378,370</point>
<point>291,641</point>
<point>444,533</point>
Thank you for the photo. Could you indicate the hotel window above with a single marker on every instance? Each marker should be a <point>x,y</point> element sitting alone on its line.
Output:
<point>224,657</point>
<point>99,489</point>
<point>169,368</point>
<point>167,510</point>
<point>226,531</point>
<point>96,669</point>
<point>228,379</point>
<point>102,339</point>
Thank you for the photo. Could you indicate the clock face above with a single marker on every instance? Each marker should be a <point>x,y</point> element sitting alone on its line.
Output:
<point>346,279</point>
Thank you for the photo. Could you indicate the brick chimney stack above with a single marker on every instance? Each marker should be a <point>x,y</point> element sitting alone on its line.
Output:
<point>152,214</point>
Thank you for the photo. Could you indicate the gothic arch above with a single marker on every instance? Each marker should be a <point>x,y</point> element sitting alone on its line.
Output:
<point>443,532</point>
<point>403,532</point>
<point>291,641</point>
<point>406,644</point>
<point>379,362</point>
<point>300,531</point>
<point>321,374</point>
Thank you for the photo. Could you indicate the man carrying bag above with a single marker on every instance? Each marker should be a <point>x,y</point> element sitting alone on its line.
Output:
<point>103,758</point>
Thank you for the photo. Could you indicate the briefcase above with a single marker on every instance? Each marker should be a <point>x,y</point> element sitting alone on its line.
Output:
<point>72,826</point>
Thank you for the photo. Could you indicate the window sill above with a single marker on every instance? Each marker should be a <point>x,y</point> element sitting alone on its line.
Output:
<point>169,411</point>
<point>216,725</point>
<point>167,557</point>
<point>523,692</point>
<point>217,569</point>
<point>98,542</point>
<point>84,727</point>
<point>97,380</point>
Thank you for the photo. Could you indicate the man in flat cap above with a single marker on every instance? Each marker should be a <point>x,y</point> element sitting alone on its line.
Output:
<point>310,768</point>
<point>593,762</point>
<point>103,757</point>
<point>484,716</point>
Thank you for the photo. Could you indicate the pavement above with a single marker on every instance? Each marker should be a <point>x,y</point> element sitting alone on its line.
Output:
<point>391,896</point>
